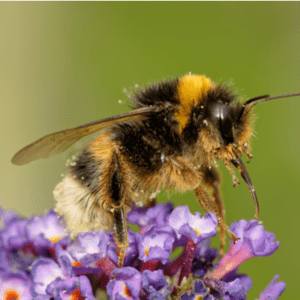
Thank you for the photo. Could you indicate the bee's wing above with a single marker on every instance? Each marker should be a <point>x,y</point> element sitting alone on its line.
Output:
<point>58,142</point>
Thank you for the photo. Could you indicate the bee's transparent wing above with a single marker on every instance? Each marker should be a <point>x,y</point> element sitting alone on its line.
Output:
<point>58,142</point>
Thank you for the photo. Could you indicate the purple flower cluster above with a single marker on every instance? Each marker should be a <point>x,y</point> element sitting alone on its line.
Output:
<point>40,261</point>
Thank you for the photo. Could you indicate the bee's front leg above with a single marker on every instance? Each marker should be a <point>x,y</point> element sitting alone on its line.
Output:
<point>213,203</point>
<point>150,202</point>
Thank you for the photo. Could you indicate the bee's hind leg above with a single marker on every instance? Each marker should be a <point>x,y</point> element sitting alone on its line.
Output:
<point>214,203</point>
<point>120,233</point>
<point>116,190</point>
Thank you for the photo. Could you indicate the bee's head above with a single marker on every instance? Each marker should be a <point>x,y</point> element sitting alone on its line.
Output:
<point>211,118</point>
<point>210,115</point>
<point>215,124</point>
<point>224,125</point>
<point>230,126</point>
<point>211,109</point>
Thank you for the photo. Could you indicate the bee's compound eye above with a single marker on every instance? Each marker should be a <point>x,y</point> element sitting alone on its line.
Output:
<point>226,124</point>
<point>221,115</point>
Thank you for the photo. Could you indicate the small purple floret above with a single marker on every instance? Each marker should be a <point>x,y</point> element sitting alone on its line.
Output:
<point>75,286</point>
<point>156,215</point>
<point>192,226</point>
<point>259,241</point>
<point>254,241</point>
<point>232,286</point>
<point>273,290</point>
<point>244,280</point>
<point>44,271</point>
<point>90,247</point>
<point>156,244</point>
<point>15,285</point>
<point>125,285</point>
<point>154,284</point>
<point>65,260</point>
<point>234,290</point>
<point>14,235</point>
<point>50,227</point>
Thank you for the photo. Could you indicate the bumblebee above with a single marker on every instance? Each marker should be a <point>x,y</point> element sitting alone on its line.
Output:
<point>172,139</point>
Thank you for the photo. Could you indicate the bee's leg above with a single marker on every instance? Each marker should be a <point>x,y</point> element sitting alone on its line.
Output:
<point>152,201</point>
<point>214,203</point>
<point>118,193</point>
<point>120,233</point>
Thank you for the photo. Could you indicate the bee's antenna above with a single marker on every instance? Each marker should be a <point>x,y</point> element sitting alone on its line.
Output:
<point>264,98</point>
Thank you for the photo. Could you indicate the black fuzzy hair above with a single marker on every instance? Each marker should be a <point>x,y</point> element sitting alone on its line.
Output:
<point>157,93</point>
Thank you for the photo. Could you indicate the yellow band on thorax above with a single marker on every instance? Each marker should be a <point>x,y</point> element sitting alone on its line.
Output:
<point>190,91</point>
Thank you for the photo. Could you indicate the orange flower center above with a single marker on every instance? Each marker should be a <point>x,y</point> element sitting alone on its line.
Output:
<point>11,295</point>
<point>127,291</point>
<point>197,231</point>
<point>76,264</point>
<point>55,239</point>
<point>146,251</point>
<point>76,295</point>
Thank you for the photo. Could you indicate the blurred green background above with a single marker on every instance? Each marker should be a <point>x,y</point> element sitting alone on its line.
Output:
<point>66,64</point>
